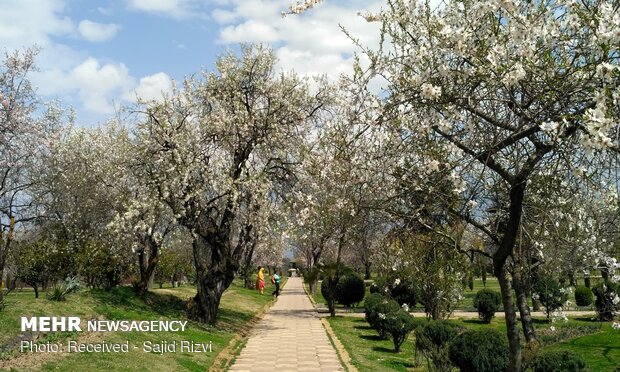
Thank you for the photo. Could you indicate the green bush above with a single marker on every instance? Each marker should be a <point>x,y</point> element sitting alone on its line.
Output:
<point>350,290</point>
<point>398,324</point>
<point>487,302</point>
<point>550,294</point>
<point>433,340</point>
<point>376,308</point>
<point>403,291</point>
<point>480,350</point>
<point>378,286</point>
<point>72,284</point>
<point>558,361</point>
<point>583,296</point>
<point>605,294</point>
<point>370,302</point>
<point>58,292</point>
<point>327,290</point>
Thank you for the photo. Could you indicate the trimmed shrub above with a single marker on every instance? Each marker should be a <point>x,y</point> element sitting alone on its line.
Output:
<point>606,304</point>
<point>350,290</point>
<point>583,296</point>
<point>433,340</point>
<point>487,302</point>
<point>403,291</point>
<point>480,350</point>
<point>558,361</point>
<point>550,294</point>
<point>325,289</point>
<point>370,302</point>
<point>398,324</point>
<point>378,286</point>
<point>58,292</point>
<point>376,309</point>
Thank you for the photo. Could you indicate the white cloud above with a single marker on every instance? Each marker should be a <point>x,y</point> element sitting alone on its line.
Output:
<point>152,87</point>
<point>27,22</point>
<point>105,11</point>
<point>223,16</point>
<point>250,31</point>
<point>178,9</point>
<point>97,32</point>
<point>311,43</point>
<point>96,85</point>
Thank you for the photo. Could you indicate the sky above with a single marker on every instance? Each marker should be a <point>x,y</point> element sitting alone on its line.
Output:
<point>97,56</point>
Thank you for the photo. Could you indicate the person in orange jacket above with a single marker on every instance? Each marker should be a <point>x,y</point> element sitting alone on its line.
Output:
<point>260,280</point>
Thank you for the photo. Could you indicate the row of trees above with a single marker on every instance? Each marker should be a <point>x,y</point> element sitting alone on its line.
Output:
<point>201,169</point>
<point>496,137</point>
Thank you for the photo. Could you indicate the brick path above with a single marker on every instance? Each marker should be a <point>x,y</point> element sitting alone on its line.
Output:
<point>289,338</point>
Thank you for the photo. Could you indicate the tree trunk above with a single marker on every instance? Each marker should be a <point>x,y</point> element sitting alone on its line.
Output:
<point>5,244</point>
<point>36,290</point>
<point>1,263</point>
<point>312,285</point>
<point>210,291</point>
<point>331,302</point>
<point>213,252</point>
<point>484,276</point>
<point>586,280</point>
<point>512,327</point>
<point>316,255</point>
<point>147,262</point>
<point>500,258</point>
<point>248,277</point>
<point>604,273</point>
<point>524,309</point>
<point>572,279</point>
<point>367,266</point>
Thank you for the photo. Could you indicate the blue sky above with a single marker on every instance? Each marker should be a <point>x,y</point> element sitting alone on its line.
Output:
<point>99,54</point>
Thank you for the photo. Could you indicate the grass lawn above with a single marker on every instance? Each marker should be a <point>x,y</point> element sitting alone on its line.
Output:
<point>601,350</point>
<point>599,346</point>
<point>238,307</point>
<point>367,351</point>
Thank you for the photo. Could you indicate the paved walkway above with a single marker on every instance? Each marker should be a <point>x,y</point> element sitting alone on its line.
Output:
<point>289,338</point>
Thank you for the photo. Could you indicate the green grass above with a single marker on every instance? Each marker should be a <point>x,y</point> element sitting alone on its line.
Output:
<point>367,351</point>
<point>601,350</point>
<point>238,306</point>
<point>598,345</point>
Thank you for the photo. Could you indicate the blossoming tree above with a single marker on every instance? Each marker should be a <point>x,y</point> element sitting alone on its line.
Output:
<point>218,149</point>
<point>510,88</point>
<point>27,129</point>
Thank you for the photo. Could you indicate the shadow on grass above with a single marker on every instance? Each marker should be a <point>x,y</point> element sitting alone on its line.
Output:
<point>233,320</point>
<point>541,321</point>
<point>589,320</point>
<point>474,321</point>
<point>383,349</point>
<point>126,299</point>
<point>372,337</point>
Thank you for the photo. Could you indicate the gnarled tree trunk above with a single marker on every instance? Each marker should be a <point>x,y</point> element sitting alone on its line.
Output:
<point>148,258</point>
